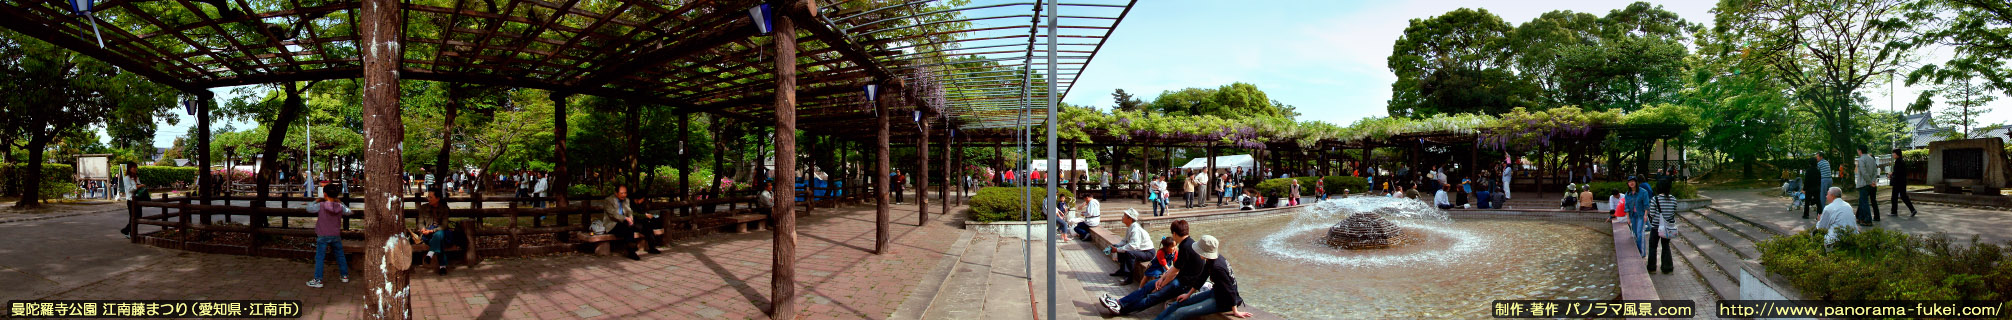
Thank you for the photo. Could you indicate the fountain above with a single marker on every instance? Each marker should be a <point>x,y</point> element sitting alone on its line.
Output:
<point>1378,257</point>
<point>1364,231</point>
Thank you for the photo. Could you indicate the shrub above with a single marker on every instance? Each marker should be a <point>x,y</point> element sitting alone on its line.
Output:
<point>1280,187</point>
<point>52,173</point>
<point>159,176</point>
<point>1880,264</point>
<point>1353,184</point>
<point>57,189</point>
<point>1004,203</point>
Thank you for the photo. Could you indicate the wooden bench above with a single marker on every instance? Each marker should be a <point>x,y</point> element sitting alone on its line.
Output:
<point>603,244</point>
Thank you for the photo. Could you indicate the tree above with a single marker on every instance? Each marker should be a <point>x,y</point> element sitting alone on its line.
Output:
<point>54,91</point>
<point>1440,61</point>
<point>1537,44</point>
<point>1124,101</point>
<point>1981,32</point>
<point>1825,51</point>
<point>1231,101</point>
<point>1966,100</point>
<point>1747,104</point>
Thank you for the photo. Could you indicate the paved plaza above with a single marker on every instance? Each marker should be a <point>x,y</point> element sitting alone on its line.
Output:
<point>722,276</point>
<point>1763,206</point>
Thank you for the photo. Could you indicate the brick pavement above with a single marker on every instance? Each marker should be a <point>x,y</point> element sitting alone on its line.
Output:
<point>723,276</point>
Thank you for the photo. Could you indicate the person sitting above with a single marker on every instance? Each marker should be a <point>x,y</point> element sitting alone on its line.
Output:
<point>1221,296</point>
<point>1586,197</point>
<point>1061,218</point>
<point>1136,246</point>
<point>1439,199</point>
<point>1091,213</point>
<point>437,237</point>
<point>1837,217</point>
<point>1482,196</point>
<point>623,218</point>
<point>1185,272</point>
<point>1498,197</point>
<point>1248,200</point>
<point>1156,266</point>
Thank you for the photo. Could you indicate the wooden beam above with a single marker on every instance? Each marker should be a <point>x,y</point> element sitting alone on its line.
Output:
<point>48,33</point>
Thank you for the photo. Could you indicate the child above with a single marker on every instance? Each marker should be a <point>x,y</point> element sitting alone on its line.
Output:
<point>1154,270</point>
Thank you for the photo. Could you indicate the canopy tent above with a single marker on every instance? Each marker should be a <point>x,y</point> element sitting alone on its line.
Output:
<point>1244,161</point>
<point>1073,165</point>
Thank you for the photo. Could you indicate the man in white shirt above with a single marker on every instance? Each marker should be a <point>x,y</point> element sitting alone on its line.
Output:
<point>1091,213</point>
<point>1837,217</point>
<point>1136,246</point>
<point>1201,180</point>
<point>1439,199</point>
<point>538,189</point>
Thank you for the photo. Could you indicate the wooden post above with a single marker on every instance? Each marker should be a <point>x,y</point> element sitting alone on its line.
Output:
<point>949,172</point>
<point>684,163</point>
<point>560,180</point>
<point>922,175</point>
<point>208,181</point>
<point>386,289</point>
<point>782,297</point>
<point>1210,152</point>
<point>880,171</point>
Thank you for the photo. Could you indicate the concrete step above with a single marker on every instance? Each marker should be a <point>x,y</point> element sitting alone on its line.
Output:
<point>1761,231</point>
<point>963,293</point>
<point>1721,235</point>
<point>1751,233</point>
<point>1726,261</point>
<point>1726,287</point>
<point>1008,279</point>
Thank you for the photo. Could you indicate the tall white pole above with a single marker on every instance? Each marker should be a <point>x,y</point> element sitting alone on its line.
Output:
<point>1052,161</point>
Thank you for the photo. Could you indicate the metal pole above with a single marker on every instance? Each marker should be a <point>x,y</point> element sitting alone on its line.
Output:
<point>1052,161</point>
<point>1026,140</point>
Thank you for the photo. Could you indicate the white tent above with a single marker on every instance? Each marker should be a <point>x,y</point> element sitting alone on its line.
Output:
<point>1223,162</point>
<point>1077,165</point>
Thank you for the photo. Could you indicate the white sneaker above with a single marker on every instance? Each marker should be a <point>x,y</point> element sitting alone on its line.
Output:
<point>316,283</point>
<point>1112,304</point>
<point>345,279</point>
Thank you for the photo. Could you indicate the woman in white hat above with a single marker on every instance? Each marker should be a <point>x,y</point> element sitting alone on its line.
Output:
<point>1222,298</point>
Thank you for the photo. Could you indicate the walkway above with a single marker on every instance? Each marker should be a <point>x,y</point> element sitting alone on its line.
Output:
<point>1763,206</point>
<point>715,277</point>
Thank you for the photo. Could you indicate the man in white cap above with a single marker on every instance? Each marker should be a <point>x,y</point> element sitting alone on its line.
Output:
<point>1136,246</point>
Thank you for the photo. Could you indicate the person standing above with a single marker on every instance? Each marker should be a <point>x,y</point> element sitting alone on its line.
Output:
<point>1824,173</point>
<point>1508,175</point>
<point>1104,183</point>
<point>1159,190</point>
<point>1638,207</point>
<point>1837,217</point>
<point>896,179</point>
<point>1898,181</point>
<point>1292,194</point>
<point>539,189</point>
<point>328,214</point>
<point>1202,186</point>
<point>1868,187</point>
<point>1662,226</point>
<point>1188,192</point>
<point>1320,189</point>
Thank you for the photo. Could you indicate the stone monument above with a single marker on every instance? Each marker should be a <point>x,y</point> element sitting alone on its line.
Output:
<point>1977,165</point>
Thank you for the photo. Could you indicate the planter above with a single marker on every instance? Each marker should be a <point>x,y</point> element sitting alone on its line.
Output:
<point>1014,229</point>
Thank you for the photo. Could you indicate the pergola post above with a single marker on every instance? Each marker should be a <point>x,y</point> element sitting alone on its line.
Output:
<point>1210,152</point>
<point>386,294</point>
<point>922,175</point>
<point>782,284</point>
<point>208,182</point>
<point>949,172</point>
<point>685,164</point>
<point>880,172</point>
<point>560,181</point>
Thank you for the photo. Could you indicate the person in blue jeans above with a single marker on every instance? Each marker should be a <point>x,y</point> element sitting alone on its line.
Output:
<point>1154,269</point>
<point>1183,274</point>
<point>1224,297</point>
<point>1638,206</point>
<point>328,234</point>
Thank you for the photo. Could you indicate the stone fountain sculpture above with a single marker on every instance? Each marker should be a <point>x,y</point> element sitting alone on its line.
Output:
<point>1368,230</point>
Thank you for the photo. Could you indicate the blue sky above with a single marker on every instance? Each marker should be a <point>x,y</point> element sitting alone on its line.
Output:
<point>1325,57</point>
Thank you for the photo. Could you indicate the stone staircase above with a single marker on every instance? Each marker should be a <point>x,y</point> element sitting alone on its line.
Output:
<point>1717,244</point>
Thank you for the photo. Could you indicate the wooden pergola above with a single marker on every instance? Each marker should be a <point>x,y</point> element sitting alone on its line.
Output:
<point>799,64</point>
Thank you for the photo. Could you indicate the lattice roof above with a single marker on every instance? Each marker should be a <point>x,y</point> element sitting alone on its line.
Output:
<point>692,55</point>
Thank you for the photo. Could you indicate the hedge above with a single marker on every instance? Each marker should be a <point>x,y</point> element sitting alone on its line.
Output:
<point>164,176</point>
<point>1335,184</point>
<point>1880,264</point>
<point>1683,190</point>
<point>52,173</point>
<point>1004,203</point>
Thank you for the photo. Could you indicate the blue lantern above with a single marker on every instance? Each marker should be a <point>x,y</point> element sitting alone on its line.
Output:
<point>763,17</point>
<point>872,92</point>
<point>83,8</point>
<point>189,106</point>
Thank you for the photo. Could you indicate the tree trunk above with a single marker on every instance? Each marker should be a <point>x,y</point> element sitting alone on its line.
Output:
<point>782,281</point>
<point>31,182</point>
<point>388,290</point>
<point>274,136</point>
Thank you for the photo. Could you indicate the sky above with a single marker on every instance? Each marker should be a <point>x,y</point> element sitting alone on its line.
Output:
<point>1327,58</point>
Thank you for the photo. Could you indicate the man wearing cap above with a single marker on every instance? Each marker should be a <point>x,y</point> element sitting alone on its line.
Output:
<point>1136,246</point>
<point>1199,300</point>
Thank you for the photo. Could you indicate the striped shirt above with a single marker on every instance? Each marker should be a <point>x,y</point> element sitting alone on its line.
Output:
<point>1663,214</point>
